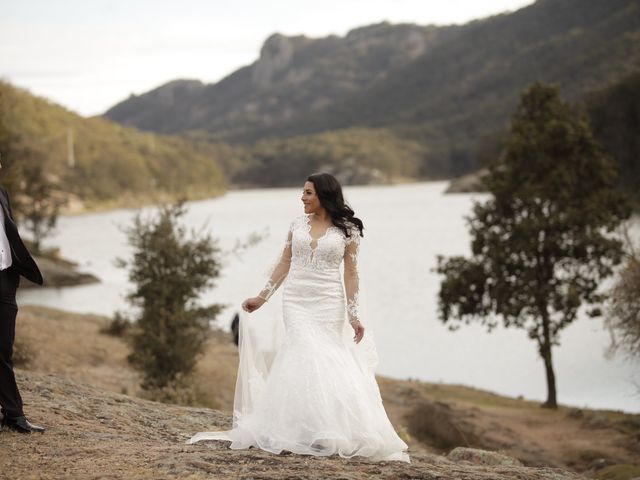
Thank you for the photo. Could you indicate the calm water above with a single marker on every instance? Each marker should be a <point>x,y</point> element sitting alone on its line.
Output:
<point>406,227</point>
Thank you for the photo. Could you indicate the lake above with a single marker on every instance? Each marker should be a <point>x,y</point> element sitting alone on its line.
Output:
<point>406,226</point>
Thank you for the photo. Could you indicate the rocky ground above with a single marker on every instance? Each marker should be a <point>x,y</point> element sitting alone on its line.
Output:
<point>93,433</point>
<point>74,380</point>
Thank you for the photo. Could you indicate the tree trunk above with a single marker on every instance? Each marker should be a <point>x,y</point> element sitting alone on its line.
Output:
<point>545,352</point>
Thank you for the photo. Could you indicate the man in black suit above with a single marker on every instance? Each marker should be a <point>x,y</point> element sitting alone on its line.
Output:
<point>15,260</point>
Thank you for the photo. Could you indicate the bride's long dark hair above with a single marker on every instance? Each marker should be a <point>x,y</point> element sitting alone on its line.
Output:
<point>329,192</point>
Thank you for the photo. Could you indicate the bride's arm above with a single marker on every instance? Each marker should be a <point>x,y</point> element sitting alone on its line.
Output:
<point>352,282</point>
<point>279,272</point>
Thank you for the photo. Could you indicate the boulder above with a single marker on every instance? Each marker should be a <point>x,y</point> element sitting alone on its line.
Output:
<point>475,456</point>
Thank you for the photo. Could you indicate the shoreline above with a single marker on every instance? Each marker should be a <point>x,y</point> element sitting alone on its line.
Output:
<point>135,204</point>
<point>58,273</point>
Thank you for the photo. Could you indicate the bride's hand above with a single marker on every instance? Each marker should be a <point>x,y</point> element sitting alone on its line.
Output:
<point>359,331</point>
<point>253,303</point>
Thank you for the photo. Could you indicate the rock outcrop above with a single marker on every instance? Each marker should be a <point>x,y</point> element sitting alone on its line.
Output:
<point>469,183</point>
<point>59,273</point>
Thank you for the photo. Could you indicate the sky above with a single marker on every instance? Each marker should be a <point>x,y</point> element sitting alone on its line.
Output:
<point>88,55</point>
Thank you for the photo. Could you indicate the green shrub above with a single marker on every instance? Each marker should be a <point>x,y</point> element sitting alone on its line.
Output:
<point>169,269</point>
<point>119,326</point>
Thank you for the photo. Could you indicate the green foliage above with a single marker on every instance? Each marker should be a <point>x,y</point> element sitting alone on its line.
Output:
<point>614,113</point>
<point>38,201</point>
<point>355,155</point>
<point>10,174</point>
<point>542,244</point>
<point>35,193</point>
<point>169,270</point>
<point>623,319</point>
<point>119,326</point>
<point>109,164</point>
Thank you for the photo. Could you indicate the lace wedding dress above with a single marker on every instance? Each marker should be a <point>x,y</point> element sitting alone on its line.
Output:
<point>315,391</point>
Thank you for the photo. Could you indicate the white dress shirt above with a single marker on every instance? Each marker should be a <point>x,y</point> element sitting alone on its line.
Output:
<point>5,248</point>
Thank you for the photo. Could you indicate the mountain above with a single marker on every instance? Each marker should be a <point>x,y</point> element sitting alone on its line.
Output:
<point>294,77</point>
<point>99,162</point>
<point>467,87</point>
<point>445,87</point>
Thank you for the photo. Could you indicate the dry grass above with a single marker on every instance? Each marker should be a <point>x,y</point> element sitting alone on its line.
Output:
<point>75,345</point>
<point>439,425</point>
<point>619,472</point>
<point>23,354</point>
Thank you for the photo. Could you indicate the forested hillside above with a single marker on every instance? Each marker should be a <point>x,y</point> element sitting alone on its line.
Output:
<point>97,161</point>
<point>354,156</point>
<point>614,113</point>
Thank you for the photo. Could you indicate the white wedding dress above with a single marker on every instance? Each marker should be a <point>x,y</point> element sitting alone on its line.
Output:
<point>313,391</point>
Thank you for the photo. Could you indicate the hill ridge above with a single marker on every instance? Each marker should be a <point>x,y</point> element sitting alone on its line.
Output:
<point>443,86</point>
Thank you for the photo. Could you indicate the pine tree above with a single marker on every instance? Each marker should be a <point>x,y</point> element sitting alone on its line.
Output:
<point>543,242</point>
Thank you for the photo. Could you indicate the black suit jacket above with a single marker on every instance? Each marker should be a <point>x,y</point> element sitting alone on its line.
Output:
<point>21,258</point>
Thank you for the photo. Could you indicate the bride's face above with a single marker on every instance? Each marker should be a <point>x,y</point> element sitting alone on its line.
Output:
<point>310,199</point>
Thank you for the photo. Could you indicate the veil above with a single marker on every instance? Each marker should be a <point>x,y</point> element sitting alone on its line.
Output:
<point>260,336</point>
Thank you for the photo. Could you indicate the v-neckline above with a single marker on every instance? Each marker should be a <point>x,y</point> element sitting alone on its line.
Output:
<point>317,240</point>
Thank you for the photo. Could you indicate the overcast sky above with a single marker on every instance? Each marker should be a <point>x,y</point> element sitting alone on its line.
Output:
<point>90,54</point>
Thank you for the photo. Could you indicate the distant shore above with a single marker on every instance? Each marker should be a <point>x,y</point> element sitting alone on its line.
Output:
<point>76,207</point>
<point>57,273</point>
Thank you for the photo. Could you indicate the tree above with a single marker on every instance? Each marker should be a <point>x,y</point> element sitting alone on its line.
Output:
<point>542,244</point>
<point>169,270</point>
<point>623,314</point>
<point>10,171</point>
<point>35,192</point>
<point>39,199</point>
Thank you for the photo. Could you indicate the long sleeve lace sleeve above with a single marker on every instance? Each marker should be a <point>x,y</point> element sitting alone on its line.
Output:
<point>280,271</point>
<point>351,278</point>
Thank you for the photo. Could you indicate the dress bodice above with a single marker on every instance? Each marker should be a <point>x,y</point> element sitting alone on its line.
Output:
<point>303,259</point>
<point>328,252</point>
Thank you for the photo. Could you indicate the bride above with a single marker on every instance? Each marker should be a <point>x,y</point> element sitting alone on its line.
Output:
<point>317,393</point>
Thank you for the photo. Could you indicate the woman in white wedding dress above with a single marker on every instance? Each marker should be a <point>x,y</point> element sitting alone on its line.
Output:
<point>318,395</point>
